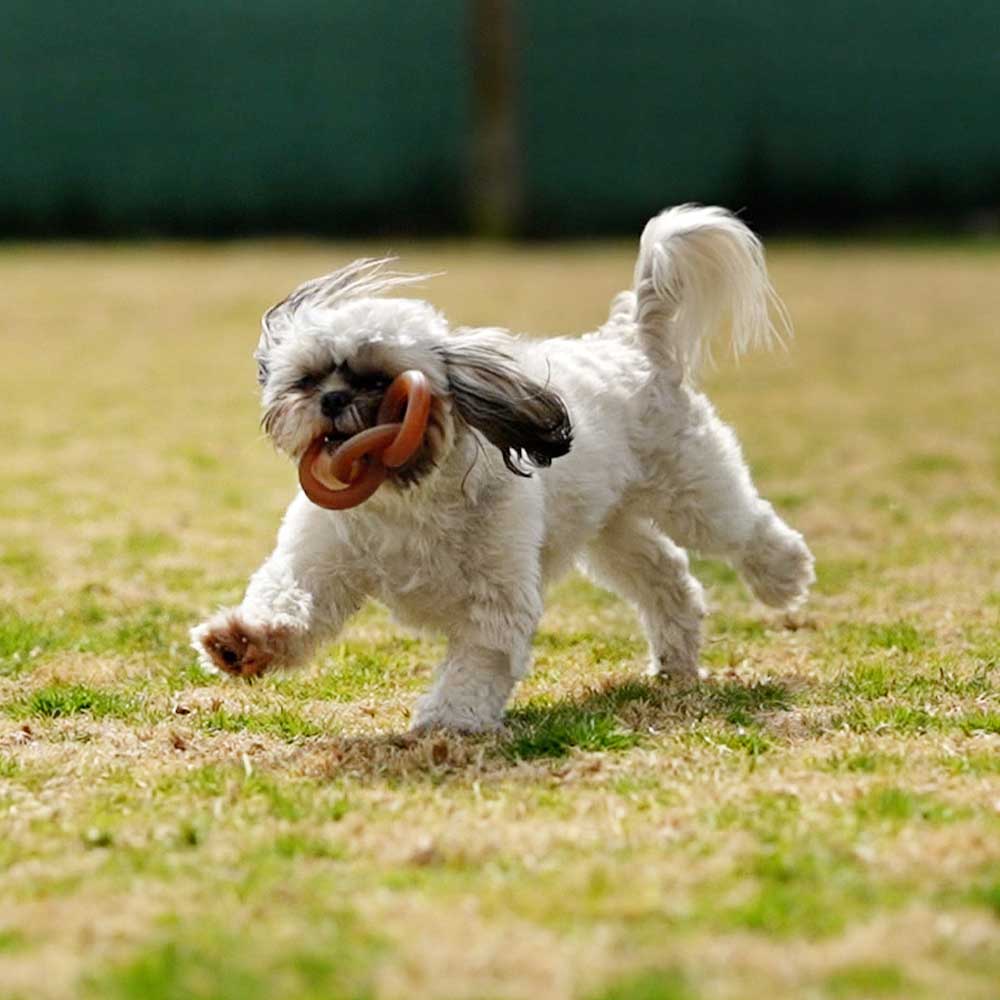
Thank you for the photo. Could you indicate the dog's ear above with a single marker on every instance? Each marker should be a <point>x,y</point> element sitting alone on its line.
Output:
<point>516,414</point>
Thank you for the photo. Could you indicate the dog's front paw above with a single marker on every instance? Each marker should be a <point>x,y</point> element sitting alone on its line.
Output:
<point>226,642</point>
<point>436,713</point>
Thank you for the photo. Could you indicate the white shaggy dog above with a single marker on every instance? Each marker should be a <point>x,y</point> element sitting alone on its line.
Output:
<point>631,466</point>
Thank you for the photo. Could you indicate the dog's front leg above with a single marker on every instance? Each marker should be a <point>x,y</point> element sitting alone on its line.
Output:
<point>302,594</point>
<point>469,692</point>
<point>473,684</point>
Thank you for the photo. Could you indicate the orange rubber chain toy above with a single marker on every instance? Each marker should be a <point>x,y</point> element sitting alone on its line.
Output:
<point>363,461</point>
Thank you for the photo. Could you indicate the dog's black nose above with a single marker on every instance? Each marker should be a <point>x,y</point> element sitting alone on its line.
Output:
<point>331,403</point>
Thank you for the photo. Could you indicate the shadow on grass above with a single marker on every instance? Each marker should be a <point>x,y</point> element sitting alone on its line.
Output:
<point>622,713</point>
<point>615,717</point>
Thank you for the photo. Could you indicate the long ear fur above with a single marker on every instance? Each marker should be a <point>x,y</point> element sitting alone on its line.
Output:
<point>520,416</point>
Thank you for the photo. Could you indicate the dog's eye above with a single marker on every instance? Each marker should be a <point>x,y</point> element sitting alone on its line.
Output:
<point>306,382</point>
<point>365,380</point>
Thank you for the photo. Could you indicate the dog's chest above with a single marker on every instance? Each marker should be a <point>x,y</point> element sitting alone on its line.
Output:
<point>421,573</point>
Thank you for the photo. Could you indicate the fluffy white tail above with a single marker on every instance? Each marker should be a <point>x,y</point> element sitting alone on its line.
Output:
<point>697,268</point>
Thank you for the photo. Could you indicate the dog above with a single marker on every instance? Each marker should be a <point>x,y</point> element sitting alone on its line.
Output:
<point>539,454</point>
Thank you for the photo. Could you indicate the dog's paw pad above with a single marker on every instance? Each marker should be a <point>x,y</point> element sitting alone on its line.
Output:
<point>239,649</point>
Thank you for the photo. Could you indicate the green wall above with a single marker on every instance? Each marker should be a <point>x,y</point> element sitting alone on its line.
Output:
<point>815,110</point>
<point>218,115</point>
<point>221,117</point>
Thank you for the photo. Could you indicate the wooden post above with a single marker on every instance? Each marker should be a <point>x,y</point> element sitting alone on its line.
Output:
<point>495,182</point>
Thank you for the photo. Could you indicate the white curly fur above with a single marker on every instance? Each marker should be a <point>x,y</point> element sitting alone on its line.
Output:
<point>468,549</point>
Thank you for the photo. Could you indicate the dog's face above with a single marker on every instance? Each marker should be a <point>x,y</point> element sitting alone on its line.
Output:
<point>329,351</point>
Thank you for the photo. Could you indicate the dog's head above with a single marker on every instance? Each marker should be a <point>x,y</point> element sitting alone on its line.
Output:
<point>329,351</point>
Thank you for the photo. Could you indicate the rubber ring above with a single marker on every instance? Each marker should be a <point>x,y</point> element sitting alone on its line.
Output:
<point>361,462</point>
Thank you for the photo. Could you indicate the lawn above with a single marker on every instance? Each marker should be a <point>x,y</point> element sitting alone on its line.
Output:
<point>820,818</point>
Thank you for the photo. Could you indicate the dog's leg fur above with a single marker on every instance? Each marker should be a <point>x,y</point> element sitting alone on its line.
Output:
<point>469,692</point>
<point>487,656</point>
<point>489,651</point>
<point>299,596</point>
<point>473,684</point>
<point>715,509</point>
<point>636,561</point>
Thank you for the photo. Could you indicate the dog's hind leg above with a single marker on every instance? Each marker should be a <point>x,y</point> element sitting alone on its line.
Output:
<point>715,509</point>
<point>636,561</point>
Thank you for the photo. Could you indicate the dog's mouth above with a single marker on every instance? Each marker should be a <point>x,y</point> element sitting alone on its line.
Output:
<point>354,419</point>
<point>318,456</point>
<point>347,424</point>
<point>363,445</point>
<point>332,439</point>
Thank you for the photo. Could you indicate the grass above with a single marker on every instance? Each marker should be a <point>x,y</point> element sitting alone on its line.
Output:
<point>60,700</point>
<point>555,731</point>
<point>820,817</point>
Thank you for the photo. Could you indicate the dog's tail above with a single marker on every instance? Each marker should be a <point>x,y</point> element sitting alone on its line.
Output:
<point>698,268</point>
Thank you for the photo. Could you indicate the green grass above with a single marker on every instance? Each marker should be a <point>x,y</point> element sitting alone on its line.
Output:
<point>816,818</point>
<point>741,703</point>
<point>24,560</point>
<point>23,640</point>
<point>221,964</point>
<point>749,741</point>
<point>862,762</point>
<point>282,724</point>
<point>61,700</point>
<point>87,624</point>
<point>899,806</point>
<point>542,731</point>
<point>858,638</point>
<point>666,984</point>
<point>867,980</point>
<point>987,894</point>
